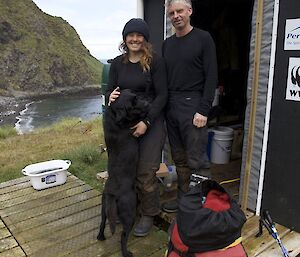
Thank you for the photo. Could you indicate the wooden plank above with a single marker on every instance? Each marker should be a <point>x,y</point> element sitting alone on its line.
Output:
<point>50,228</point>
<point>54,215</point>
<point>82,241</point>
<point>291,242</point>
<point>159,253</point>
<point>147,246</point>
<point>30,194</point>
<point>13,182</point>
<point>20,183</point>
<point>45,197</point>
<point>162,172</point>
<point>81,195</point>
<point>13,252</point>
<point>38,245</point>
<point>2,225</point>
<point>253,106</point>
<point>4,232</point>
<point>255,245</point>
<point>7,243</point>
<point>7,190</point>
<point>111,246</point>
<point>45,201</point>
<point>87,244</point>
<point>250,228</point>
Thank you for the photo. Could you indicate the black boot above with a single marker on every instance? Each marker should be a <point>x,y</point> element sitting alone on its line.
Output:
<point>171,206</point>
<point>144,226</point>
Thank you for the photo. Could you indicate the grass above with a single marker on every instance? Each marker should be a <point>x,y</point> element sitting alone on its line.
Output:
<point>70,139</point>
<point>7,131</point>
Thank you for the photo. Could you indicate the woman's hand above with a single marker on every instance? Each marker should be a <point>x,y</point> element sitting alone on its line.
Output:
<point>114,95</point>
<point>139,129</point>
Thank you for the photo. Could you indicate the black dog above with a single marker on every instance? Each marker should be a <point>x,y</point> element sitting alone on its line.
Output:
<point>119,196</point>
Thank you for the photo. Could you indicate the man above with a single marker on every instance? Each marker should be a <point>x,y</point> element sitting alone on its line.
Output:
<point>192,79</point>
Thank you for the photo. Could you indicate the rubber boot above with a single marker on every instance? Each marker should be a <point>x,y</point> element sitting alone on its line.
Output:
<point>144,226</point>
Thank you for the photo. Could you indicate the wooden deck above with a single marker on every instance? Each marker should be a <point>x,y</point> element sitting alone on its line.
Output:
<point>61,221</point>
<point>64,221</point>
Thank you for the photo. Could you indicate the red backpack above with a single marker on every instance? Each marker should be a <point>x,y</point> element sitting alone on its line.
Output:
<point>208,224</point>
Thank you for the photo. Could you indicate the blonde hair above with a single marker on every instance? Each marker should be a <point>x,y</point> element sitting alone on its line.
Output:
<point>146,58</point>
<point>185,2</point>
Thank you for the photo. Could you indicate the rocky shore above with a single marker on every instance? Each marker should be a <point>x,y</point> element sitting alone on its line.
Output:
<point>10,107</point>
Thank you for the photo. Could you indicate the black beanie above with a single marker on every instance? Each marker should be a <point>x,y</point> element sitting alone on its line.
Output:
<point>136,25</point>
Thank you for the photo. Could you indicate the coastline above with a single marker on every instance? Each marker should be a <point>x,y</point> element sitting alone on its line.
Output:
<point>11,106</point>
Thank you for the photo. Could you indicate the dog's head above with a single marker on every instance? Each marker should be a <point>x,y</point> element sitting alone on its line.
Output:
<point>129,108</point>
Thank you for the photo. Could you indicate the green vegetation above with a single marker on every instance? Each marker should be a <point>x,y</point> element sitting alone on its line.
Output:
<point>70,139</point>
<point>7,131</point>
<point>41,54</point>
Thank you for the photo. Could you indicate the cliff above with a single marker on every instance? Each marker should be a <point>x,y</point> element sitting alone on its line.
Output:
<point>41,54</point>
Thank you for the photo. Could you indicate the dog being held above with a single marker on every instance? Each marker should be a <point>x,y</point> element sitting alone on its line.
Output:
<point>119,197</point>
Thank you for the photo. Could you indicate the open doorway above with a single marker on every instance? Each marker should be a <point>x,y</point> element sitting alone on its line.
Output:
<point>229,22</point>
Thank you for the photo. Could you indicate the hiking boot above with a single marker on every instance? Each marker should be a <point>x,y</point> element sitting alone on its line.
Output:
<point>144,226</point>
<point>170,207</point>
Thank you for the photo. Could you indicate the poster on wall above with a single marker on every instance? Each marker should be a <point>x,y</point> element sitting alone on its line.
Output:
<point>293,80</point>
<point>292,34</point>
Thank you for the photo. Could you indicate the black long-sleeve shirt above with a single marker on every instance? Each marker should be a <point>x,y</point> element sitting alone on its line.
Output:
<point>152,84</point>
<point>192,65</point>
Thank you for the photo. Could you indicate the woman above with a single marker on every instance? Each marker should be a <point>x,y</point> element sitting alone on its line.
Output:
<point>144,73</point>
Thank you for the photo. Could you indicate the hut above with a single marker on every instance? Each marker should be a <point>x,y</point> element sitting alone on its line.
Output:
<point>258,43</point>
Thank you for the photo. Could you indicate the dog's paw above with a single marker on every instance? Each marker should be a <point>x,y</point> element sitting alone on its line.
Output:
<point>101,237</point>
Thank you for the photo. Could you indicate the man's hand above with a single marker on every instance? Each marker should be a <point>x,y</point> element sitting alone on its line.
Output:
<point>199,120</point>
<point>114,95</point>
<point>139,129</point>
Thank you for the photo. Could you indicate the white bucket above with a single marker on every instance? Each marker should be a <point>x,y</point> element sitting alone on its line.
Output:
<point>221,144</point>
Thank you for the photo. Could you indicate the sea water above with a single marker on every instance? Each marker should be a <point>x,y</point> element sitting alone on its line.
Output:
<point>46,112</point>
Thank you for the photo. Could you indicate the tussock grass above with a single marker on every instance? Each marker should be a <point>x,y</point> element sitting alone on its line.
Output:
<point>70,139</point>
<point>7,131</point>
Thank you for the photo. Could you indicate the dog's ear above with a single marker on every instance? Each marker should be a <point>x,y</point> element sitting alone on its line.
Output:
<point>140,108</point>
<point>123,105</point>
<point>120,115</point>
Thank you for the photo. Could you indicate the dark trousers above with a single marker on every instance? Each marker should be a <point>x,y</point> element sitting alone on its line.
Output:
<point>150,152</point>
<point>188,143</point>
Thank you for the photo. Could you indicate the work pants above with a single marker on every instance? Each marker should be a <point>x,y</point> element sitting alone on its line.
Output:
<point>188,143</point>
<point>150,152</point>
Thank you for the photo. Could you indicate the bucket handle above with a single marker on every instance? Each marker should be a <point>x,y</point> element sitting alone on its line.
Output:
<point>223,148</point>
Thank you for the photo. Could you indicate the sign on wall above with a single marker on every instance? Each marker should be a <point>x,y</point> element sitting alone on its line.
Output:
<point>293,80</point>
<point>292,34</point>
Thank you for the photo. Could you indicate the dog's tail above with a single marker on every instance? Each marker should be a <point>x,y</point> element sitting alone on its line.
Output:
<point>111,212</point>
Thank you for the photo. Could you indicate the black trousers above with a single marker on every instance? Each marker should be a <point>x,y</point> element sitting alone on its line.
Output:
<point>188,143</point>
<point>150,152</point>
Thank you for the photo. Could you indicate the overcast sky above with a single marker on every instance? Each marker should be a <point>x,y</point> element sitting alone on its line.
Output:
<point>99,23</point>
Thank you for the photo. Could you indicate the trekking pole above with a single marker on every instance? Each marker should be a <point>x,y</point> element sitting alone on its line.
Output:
<point>267,221</point>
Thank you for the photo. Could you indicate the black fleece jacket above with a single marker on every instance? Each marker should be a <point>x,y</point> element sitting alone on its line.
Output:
<point>192,66</point>
<point>152,84</point>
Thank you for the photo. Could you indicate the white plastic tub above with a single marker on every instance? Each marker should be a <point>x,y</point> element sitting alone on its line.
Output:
<point>47,174</point>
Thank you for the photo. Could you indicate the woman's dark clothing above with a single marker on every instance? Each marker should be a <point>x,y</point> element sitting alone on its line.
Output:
<point>192,80</point>
<point>153,86</point>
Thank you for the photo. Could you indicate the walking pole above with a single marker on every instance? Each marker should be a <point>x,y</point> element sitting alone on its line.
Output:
<point>267,221</point>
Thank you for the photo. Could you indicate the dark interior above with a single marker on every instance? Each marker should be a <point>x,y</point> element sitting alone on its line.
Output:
<point>229,22</point>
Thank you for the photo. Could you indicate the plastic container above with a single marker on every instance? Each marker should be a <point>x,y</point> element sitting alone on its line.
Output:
<point>172,177</point>
<point>221,145</point>
<point>47,174</point>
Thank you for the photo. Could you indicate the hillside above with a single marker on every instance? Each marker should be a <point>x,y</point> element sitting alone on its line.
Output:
<point>41,54</point>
